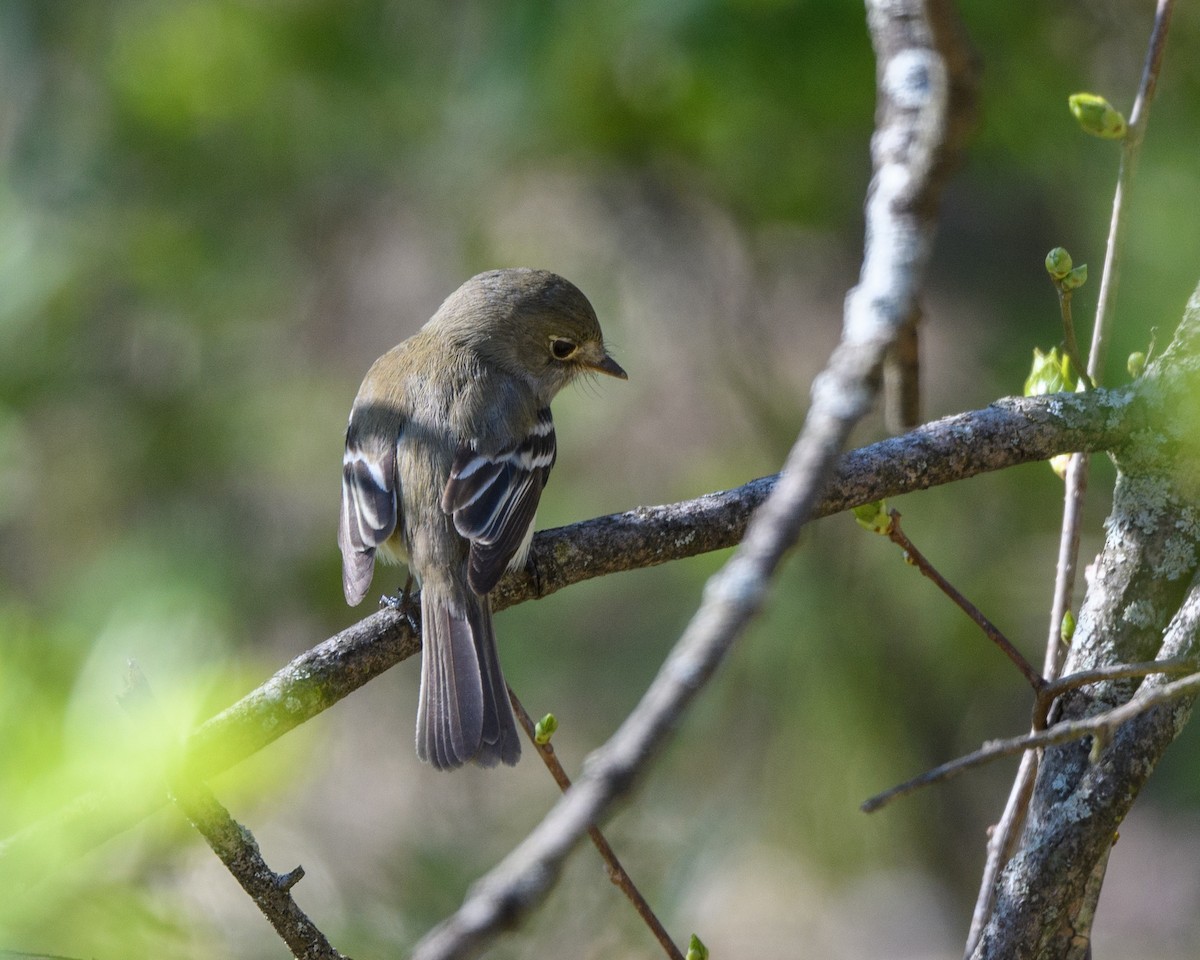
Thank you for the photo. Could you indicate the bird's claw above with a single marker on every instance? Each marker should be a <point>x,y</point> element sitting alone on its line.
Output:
<point>405,604</point>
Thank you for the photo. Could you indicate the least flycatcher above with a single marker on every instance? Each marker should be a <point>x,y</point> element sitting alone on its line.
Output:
<point>449,446</point>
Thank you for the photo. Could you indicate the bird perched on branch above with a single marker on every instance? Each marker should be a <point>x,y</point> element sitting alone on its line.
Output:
<point>448,448</point>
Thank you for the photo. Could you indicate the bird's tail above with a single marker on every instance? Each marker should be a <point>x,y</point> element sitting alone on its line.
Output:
<point>464,714</point>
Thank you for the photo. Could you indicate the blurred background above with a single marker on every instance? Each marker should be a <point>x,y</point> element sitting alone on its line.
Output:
<point>214,215</point>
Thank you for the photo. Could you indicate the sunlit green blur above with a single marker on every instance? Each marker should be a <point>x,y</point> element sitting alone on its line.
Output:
<point>214,215</point>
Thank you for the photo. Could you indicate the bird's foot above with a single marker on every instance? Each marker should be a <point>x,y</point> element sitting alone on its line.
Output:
<point>405,604</point>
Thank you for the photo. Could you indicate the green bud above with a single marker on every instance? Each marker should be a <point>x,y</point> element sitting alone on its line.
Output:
<point>1075,279</point>
<point>1058,263</point>
<point>1059,465</point>
<point>696,949</point>
<point>544,729</point>
<point>1097,116</point>
<point>1066,629</point>
<point>874,517</point>
<point>1136,364</point>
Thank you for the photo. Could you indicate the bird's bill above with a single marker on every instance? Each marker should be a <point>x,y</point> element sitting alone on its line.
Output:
<point>609,367</point>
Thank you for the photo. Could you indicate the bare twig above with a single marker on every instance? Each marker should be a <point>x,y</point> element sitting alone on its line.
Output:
<point>1113,671</point>
<point>1131,148</point>
<point>270,891</point>
<point>1003,837</point>
<point>1104,725</point>
<point>1070,341</point>
<point>233,844</point>
<point>616,872</point>
<point>1068,557</point>
<point>928,570</point>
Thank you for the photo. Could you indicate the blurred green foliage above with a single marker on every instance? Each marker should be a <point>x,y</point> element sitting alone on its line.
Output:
<point>214,214</point>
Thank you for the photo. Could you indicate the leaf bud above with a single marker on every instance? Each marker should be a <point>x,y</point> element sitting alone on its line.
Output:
<point>1058,263</point>
<point>1097,116</point>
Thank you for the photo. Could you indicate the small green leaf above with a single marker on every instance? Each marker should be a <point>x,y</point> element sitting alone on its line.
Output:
<point>696,949</point>
<point>1058,263</point>
<point>874,517</point>
<point>1097,116</point>
<point>1050,373</point>
<point>544,729</point>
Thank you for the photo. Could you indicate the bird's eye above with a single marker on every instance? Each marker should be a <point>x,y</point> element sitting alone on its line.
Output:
<point>563,349</point>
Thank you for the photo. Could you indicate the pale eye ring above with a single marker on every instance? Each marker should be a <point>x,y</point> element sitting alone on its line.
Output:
<point>563,349</point>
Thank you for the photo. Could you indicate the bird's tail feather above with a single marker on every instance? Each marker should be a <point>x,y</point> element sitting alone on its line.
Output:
<point>464,714</point>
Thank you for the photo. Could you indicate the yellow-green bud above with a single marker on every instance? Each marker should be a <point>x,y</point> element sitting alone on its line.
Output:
<point>1058,263</point>
<point>544,729</point>
<point>1066,629</point>
<point>874,517</point>
<point>1097,116</point>
<point>696,949</point>
<point>1136,364</point>
<point>1075,279</point>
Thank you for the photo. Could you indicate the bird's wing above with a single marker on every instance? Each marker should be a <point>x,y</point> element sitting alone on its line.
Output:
<point>370,499</point>
<point>493,497</point>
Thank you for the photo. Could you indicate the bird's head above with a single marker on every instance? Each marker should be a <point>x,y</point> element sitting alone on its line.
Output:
<point>532,323</point>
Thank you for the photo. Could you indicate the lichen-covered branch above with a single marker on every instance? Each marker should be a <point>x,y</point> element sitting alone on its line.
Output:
<point>1139,586</point>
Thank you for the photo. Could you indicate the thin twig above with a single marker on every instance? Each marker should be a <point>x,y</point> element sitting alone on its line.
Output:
<point>1116,671</point>
<point>1070,342</point>
<point>616,872</point>
<point>1003,839</point>
<point>1131,148</point>
<point>921,562</point>
<point>1113,671</point>
<point>1103,725</point>
<point>1076,481</point>
<point>270,891</point>
<point>233,844</point>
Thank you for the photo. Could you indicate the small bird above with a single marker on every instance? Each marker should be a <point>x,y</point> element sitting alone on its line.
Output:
<point>448,448</point>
